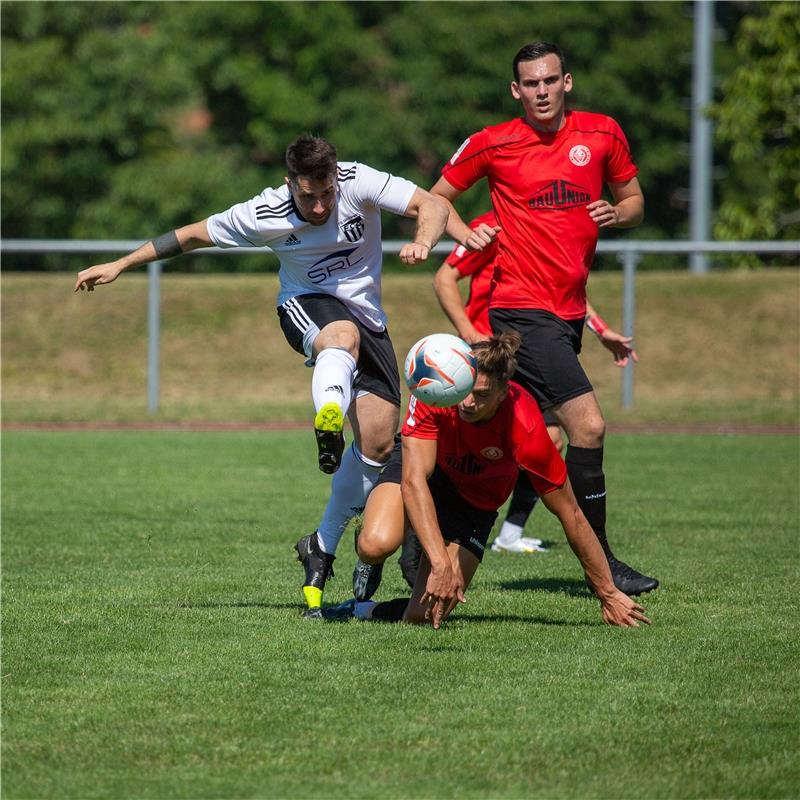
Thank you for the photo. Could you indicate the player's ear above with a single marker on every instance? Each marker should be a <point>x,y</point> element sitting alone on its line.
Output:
<point>515,90</point>
<point>567,81</point>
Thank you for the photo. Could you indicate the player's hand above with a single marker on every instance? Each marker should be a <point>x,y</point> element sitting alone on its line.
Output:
<point>621,610</point>
<point>620,347</point>
<point>603,213</point>
<point>102,273</point>
<point>443,591</point>
<point>481,236</point>
<point>414,252</point>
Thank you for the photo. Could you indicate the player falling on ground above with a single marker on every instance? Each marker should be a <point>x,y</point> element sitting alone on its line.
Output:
<point>324,224</point>
<point>454,468</point>
<point>546,172</point>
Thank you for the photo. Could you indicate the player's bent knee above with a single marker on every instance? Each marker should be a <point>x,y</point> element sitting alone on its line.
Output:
<point>374,549</point>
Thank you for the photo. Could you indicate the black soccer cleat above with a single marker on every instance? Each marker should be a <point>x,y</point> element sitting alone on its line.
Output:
<point>340,613</point>
<point>328,428</point>
<point>628,580</point>
<point>366,579</point>
<point>318,567</point>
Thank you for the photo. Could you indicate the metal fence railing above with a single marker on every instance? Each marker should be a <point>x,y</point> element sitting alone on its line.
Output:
<point>628,252</point>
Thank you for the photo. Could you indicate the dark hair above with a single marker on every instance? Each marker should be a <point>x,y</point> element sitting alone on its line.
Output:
<point>312,157</point>
<point>536,50</point>
<point>496,358</point>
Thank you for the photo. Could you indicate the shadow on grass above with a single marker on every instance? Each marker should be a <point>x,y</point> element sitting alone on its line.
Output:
<point>569,586</point>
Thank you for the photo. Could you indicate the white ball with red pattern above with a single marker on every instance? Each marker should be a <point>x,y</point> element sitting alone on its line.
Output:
<point>440,370</point>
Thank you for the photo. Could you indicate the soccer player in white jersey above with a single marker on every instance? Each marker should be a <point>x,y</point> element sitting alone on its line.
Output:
<point>324,224</point>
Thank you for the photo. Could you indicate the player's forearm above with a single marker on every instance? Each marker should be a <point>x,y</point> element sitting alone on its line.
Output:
<point>431,221</point>
<point>630,212</point>
<point>168,245</point>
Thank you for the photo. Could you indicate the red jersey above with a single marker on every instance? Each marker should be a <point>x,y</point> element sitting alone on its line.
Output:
<point>540,184</point>
<point>478,264</point>
<point>483,459</point>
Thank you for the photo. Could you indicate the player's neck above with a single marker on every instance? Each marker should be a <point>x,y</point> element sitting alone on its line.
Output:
<point>551,127</point>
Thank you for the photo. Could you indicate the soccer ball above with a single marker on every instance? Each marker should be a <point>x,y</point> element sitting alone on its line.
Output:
<point>440,370</point>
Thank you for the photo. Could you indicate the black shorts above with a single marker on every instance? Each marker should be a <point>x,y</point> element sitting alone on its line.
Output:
<point>304,316</point>
<point>459,521</point>
<point>548,365</point>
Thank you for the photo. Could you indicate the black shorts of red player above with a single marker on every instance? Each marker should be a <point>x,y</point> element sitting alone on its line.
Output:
<point>548,365</point>
<point>459,521</point>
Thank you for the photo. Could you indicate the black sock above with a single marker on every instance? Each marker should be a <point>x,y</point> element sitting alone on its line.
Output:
<point>390,610</point>
<point>522,501</point>
<point>585,470</point>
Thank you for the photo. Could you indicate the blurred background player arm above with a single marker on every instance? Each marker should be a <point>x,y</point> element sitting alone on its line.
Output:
<point>619,345</point>
<point>445,284</point>
<point>182,240</point>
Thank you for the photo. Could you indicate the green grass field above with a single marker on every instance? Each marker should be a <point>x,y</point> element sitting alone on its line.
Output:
<point>153,645</point>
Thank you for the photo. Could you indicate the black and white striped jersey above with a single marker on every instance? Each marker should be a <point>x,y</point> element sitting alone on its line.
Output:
<point>343,257</point>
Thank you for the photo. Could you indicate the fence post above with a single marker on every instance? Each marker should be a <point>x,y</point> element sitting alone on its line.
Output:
<point>629,258</point>
<point>153,334</point>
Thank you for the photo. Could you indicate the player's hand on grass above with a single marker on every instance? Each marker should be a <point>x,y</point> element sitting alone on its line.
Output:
<point>620,347</point>
<point>621,610</point>
<point>102,273</point>
<point>481,236</point>
<point>443,590</point>
<point>414,252</point>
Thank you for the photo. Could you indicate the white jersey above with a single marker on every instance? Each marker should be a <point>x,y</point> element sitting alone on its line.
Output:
<point>343,257</point>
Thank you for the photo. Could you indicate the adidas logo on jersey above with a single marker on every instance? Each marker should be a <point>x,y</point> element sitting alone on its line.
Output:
<point>292,240</point>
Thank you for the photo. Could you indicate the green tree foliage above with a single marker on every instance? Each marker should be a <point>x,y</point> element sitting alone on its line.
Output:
<point>125,119</point>
<point>759,120</point>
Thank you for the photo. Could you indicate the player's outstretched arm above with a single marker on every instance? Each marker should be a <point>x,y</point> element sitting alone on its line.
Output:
<point>617,608</point>
<point>620,346</point>
<point>431,215</point>
<point>472,238</point>
<point>182,240</point>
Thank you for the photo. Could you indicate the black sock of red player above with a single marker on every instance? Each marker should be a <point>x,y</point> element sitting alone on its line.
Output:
<point>585,470</point>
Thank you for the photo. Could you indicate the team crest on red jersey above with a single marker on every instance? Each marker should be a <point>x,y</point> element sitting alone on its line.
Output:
<point>580,155</point>
<point>492,453</point>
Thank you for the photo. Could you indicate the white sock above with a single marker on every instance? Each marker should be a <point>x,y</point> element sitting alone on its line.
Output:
<point>363,609</point>
<point>349,490</point>
<point>332,381</point>
<point>509,533</point>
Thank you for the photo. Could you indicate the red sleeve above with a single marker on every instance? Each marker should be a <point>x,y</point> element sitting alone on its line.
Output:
<point>533,448</point>
<point>469,163</point>
<point>420,421</point>
<point>468,262</point>
<point>619,166</point>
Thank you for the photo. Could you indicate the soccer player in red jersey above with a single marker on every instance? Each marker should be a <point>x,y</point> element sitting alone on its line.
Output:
<point>471,321</point>
<point>546,171</point>
<point>456,466</point>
